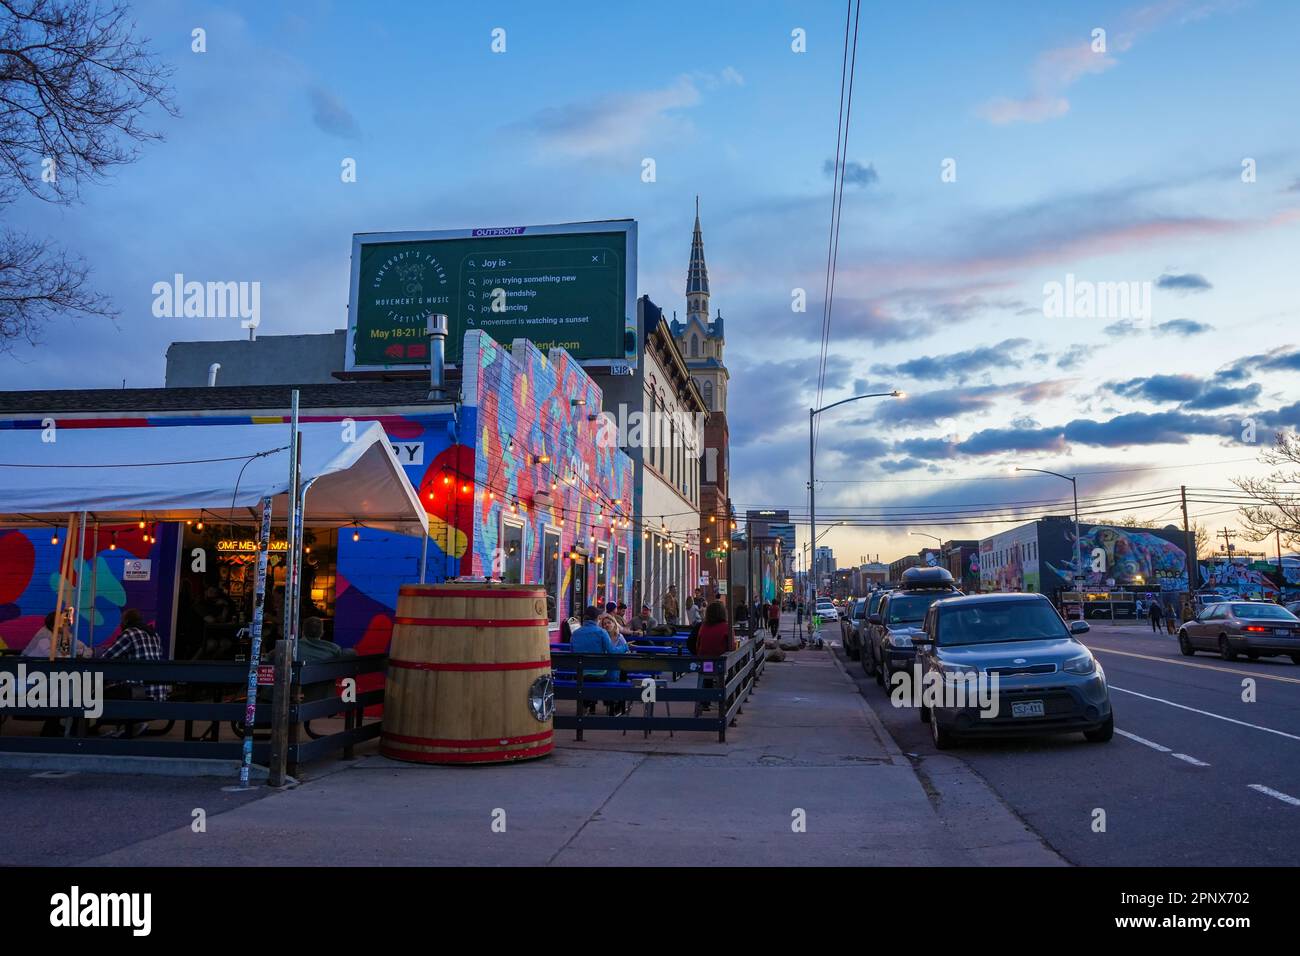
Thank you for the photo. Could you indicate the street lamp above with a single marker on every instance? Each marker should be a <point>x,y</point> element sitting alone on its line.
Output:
<point>1074,485</point>
<point>812,478</point>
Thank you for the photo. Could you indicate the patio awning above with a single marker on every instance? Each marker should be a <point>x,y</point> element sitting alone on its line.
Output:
<point>210,472</point>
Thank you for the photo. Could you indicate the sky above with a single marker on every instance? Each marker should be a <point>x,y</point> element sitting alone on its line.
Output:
<point>1166,159</point>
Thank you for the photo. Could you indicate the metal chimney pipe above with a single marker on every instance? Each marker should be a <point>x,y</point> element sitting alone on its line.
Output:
<point>437,355</point>
<point>213,369</point>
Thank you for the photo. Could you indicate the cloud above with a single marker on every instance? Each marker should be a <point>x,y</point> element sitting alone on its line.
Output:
<point>1285,358</point>
<point>1073,357</point>
<point>1161,388</point>
<point>331,116</point>
<point>1057,69</point>
<point>1185,282</point>
<point>958,365</point>
<point>937,405</point>
<point>855,174</point>
<point>612,124</point>
<point>1223,396</point>
<point>1182,327</point>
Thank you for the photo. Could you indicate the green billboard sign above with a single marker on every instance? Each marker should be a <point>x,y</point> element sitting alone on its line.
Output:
<point>561,286</point>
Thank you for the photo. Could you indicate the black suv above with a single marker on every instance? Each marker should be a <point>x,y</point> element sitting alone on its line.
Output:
<point>900,615</point>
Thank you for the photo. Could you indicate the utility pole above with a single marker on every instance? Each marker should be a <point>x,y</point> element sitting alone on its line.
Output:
<point>1190,545</point>
<point>1227,541</point>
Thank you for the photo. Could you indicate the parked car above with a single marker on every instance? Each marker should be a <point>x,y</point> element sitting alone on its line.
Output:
<point>901,613</point>
<point>851,628</point>
<point>1254,628</point>
<point>868,652</point>
<point>1048,682</point>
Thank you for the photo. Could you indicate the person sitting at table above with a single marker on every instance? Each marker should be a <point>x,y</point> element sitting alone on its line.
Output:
<point>312,646</point>
<point>39,646</point>
<point>715,638</point>
<point>615,631</point>
<point>591,638</point>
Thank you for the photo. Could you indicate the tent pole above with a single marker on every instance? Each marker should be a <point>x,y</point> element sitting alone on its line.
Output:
<point>64,560</point>
<point>94,570</point>
<point>424,556</point>
<point>78,563</point>
<point>255,650</point>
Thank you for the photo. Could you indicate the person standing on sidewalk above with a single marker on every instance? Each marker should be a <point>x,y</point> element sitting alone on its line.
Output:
<point>774,617</point>
<point>1156,616</point>
<point>671,608</point>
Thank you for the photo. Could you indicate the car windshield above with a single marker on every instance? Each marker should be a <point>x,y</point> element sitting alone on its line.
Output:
<point>987,622</point>
<point>911,608</point>
<point>1268,612</point>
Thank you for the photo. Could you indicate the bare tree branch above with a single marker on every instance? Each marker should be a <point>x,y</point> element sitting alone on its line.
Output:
<point>1279,494</point>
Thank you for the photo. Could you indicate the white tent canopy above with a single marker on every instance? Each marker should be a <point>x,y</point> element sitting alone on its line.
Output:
<point>211,472</point>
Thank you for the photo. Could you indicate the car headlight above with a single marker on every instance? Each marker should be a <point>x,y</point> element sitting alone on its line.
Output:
<point>901,640</point>
<point>959,672</point>
<point>1080,665</point>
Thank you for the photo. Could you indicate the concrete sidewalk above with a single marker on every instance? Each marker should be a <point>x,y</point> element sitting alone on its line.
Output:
<point>807,750</point>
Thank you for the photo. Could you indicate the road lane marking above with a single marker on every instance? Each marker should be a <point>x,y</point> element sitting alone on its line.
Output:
<point>1277,794</point>
<point>1203,667</point>
<point>1143,741</point>
<point>1161,748</point>
<point>1206,713</point>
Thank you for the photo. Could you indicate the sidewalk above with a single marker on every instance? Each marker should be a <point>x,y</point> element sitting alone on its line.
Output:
<point>807,747</point>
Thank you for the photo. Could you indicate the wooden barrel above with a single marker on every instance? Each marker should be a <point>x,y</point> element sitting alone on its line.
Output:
<point>469,675</point>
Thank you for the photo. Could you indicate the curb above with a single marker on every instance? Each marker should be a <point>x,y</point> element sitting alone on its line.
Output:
<point>130,765</point>
<point>886,738</point>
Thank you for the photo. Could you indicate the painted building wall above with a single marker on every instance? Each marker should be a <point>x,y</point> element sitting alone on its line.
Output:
<point>1009,560</point>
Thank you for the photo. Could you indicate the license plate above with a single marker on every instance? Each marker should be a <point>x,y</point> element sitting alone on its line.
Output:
<point>1027,708</point>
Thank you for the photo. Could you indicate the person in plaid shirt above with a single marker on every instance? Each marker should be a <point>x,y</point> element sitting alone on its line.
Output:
<point>136,642</point>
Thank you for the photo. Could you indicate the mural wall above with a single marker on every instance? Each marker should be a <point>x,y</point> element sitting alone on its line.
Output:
<point>1134,558</point>
<point>1009,561</point>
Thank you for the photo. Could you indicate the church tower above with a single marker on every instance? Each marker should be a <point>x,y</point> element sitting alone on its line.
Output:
<point>697,276</point>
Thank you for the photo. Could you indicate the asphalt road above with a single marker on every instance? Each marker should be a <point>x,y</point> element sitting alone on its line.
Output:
<point>1195,775</point>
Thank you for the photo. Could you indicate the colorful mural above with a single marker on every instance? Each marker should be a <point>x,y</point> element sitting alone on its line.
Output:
<point>1009,561</point>
<point>1131,557</point>
<point>29,581</point>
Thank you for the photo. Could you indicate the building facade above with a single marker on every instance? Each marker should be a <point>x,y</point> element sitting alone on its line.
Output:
<point>515,479</point>
<point>702,342</point>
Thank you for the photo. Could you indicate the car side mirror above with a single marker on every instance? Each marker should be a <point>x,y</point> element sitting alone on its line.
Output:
<point>1080,627</point>
<point>875,619</point>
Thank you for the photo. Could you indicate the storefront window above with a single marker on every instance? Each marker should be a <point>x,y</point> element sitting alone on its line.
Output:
<point>620,577</point>
<point>512,553</point>
<point>551,572</point>
<point>602,575</point>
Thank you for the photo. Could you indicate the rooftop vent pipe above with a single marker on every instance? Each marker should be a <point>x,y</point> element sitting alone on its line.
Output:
<point>437,354</point>
<point>213,369</point>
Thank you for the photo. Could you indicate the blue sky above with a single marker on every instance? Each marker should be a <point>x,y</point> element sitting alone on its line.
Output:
<point>1115,167</point>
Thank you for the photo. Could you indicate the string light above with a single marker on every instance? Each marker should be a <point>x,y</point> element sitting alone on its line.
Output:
<point>54,538</point>
<point>199,526</point>
<point>112,545</point>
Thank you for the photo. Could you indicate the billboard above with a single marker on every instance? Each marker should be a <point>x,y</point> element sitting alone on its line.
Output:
<point>1133,558</point>
<point>570,286</point>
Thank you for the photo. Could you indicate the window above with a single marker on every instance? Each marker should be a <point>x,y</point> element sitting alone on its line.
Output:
<point>708,395</point>
<point>512,552</point>
<point>551,572</point>
<point>602,575</point>
<point>695,346</point>
<point>620,576</point>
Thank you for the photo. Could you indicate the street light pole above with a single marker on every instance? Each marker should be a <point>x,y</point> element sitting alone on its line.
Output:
<point>1074,486</point>
<point>812,477</point>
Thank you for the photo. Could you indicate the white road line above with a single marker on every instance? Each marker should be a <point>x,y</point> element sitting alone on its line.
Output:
<point>1143,741</point>
<point>1161,748</point>
<point>1206,713</point>
<point>1200,667</point>
<point>1277,794</point>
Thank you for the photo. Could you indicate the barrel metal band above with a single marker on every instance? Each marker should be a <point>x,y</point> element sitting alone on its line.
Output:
<point>485,592</point>
<point>487,742</point>
<point>488,756</point>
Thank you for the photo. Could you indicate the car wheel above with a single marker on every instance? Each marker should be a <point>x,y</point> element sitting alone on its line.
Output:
<point>1295,658</point>
<point>941,735</point>
<point>1185,645</point>
<point>1103,733</point>
<point>868,661</point>
<point>926,716</point>
<point>1251,656</point>
<point>854,651</point>
<point>1225,650</point>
